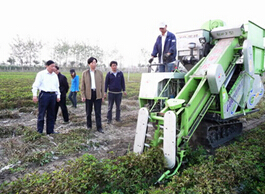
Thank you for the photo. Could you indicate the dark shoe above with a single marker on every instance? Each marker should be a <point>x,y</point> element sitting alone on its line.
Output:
<point>118,120</point>
<point>89,128</point>
<point>109,122</point>
<point>100,131</point>
<point>66,122</point>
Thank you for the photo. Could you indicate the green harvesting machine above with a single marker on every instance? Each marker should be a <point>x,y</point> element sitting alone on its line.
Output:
<point>217,80</point>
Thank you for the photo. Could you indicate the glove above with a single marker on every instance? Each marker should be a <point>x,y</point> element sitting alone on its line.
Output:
<point>165,58</point>
<point>151,60</point>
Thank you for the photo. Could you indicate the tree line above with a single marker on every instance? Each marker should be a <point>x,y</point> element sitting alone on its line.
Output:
<point>27,53</point>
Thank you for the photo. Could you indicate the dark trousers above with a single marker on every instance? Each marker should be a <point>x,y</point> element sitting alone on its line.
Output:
<point>47,103</point>
<point>63,106</point>
<point>111,99</point>
<point>97,108</point>
<point>72,98</point>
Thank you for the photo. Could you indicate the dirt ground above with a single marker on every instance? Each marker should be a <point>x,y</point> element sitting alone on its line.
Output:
<point>118,137</point>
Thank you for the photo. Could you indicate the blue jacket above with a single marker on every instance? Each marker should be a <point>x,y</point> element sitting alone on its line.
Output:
<point>114,83</point>
<point>75,84</point>
<point>169,47</point>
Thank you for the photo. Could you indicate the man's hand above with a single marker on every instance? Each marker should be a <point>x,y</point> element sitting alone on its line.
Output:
<point>58,99</point>
<point>165,57</point>
<point>83,99</point>
<point>35,99</point>
<point>105,95</point>
<point>125,93</point>
<point>151,60</point>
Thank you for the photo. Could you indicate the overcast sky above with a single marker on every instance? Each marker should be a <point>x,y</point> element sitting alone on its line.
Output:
<point>125,25</point>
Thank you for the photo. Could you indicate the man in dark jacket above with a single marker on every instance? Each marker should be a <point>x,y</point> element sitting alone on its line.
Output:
<point>165,47</point>
<point>115,83</point>
<point>64,87</point>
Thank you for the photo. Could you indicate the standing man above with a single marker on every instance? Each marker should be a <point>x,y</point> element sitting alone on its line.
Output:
<point>64,87</point>
<point>92,92</point>
<point>115,83</point>
<point>48,84</point>
<point>165,47</point>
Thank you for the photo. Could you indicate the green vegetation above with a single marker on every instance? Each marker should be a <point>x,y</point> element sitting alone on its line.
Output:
<point>126,174</point>
<point>33,147</point>
<point>16,88</point>
<point>236,168</point>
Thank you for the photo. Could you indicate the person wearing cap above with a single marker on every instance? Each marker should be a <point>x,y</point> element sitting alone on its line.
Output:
<point>64,87</point>
<point>92,92</point>
<point>47,83</point>
<point>115,83</point>
<point>74,88</point>
<point>165,48</point>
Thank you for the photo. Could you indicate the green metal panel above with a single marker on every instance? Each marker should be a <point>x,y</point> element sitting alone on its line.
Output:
<point>256,35</point>
<point>188,90</point>
<point>191,72</point>
<point>195,105</point>
<point>258,57</point>
<point>223,99</point>
<point>227,55</point>
<point>222,54</point>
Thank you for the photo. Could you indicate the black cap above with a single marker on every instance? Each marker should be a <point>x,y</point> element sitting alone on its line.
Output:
<point>72,70</point>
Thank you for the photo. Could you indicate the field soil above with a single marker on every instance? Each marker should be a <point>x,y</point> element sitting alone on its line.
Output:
<point>117,140</point>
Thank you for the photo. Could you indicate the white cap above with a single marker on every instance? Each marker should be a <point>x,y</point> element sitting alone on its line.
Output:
<point>162,25</point>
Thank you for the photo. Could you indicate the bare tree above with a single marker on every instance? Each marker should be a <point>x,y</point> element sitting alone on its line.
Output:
<point>32,50</point>
<point>97,52</point>
<point>25,51</point>
<point>77,53</point>
<point>115,55</point>
<point>144,56</point>
<point>11,60</point>
<point>61,51</point>
<point>18,49</point>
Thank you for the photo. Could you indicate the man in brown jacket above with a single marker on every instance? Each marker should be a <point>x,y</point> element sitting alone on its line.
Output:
<point>92,92</point>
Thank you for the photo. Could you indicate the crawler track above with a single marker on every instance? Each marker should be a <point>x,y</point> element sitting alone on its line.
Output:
<point>212,134</point>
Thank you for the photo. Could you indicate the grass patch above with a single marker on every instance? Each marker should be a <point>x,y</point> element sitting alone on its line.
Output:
<point>31,146</point>
<point>126,174</point>
<point>258,114</point>
<point>237,168</point>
